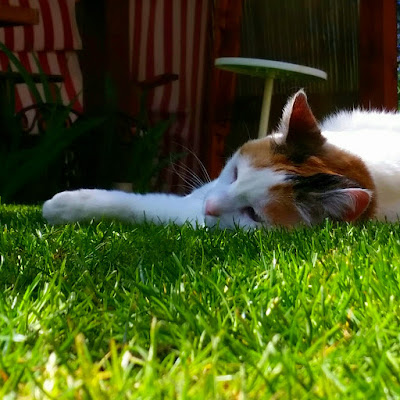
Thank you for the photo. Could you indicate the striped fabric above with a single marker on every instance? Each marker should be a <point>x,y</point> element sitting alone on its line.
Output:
<point>54,41</point>
<point>169,36</point>
<point>55,62</point>
<point>57,28</point>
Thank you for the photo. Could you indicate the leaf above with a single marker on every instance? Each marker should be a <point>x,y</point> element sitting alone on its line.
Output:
<point>24,73</point>
<point>44,81</point>
<point>35,160</point>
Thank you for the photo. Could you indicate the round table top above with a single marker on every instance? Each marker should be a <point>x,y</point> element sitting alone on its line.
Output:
<point>267,68</point>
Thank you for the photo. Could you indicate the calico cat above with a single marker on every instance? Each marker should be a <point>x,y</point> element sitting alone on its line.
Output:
<point>346,169</point>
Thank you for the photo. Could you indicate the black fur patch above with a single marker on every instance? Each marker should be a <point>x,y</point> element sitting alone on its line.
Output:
<point>319,196</point>
<point>318,183</point>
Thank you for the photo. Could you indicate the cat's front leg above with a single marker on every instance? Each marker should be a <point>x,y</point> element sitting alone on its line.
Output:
<point>160,208</point>
<point>84,204</point>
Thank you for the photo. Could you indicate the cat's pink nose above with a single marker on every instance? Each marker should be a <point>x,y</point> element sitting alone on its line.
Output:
<point>212,208</point>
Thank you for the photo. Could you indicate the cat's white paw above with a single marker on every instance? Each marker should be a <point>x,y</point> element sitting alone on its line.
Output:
<point>67,206</point>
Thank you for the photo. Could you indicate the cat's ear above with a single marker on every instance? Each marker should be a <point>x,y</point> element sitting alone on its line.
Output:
<point>300,128</point>
<point>346,204</point>
<point>331,196</point>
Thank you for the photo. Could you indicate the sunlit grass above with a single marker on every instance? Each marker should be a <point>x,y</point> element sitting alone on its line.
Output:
<point>112,311</point>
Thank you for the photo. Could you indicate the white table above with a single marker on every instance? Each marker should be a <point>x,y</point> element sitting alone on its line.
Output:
<point>268,70</point>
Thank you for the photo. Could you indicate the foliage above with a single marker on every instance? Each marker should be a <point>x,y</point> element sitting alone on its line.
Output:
<point>106,311</point>
<point>137,142</point>
<point>139,162</point>
<point>20,165</point>
<point>147,161</point>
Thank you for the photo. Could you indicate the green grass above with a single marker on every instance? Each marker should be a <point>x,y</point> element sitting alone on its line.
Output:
<point>111,311</point>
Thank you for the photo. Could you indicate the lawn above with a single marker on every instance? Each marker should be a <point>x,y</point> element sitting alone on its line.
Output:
<point>112,311</point>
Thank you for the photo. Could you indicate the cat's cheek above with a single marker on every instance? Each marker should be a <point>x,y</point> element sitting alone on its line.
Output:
<point>281,213</point>
<point>281,209</point>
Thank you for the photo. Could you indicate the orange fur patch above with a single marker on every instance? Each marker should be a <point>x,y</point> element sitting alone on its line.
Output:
<point>281,209</point>
<point>330,160</point>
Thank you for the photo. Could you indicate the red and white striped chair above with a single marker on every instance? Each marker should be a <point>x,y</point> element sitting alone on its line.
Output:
<point>55,41</point>
<point>169,36</point>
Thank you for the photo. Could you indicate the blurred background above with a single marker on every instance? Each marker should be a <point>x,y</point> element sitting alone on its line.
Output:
<point>125,94</point>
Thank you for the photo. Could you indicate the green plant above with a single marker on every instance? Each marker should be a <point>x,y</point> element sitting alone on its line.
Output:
<point>130,146</point>
<point>147,161</point>
<point>21,165</point>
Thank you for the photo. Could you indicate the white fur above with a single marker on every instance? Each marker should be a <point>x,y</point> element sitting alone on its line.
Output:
<point>372,136</point>
<point>375,138</point>
<point>250,189</point>
<point>159,208</point>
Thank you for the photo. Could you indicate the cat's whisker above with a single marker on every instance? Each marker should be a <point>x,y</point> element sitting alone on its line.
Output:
<point>247,130</point>
<point>204,170</point>
<point>206,176</point>
<point>184,188</point>
<point>187,186</point>
<point>188,175</point>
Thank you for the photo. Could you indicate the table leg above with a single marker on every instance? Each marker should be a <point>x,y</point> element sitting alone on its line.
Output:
<point>265,108</point>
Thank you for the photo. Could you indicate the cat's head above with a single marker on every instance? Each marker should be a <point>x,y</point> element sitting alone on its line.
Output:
<point>291,177</point>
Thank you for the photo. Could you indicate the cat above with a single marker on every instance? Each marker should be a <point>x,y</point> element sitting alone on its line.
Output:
<point>346,169</point>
